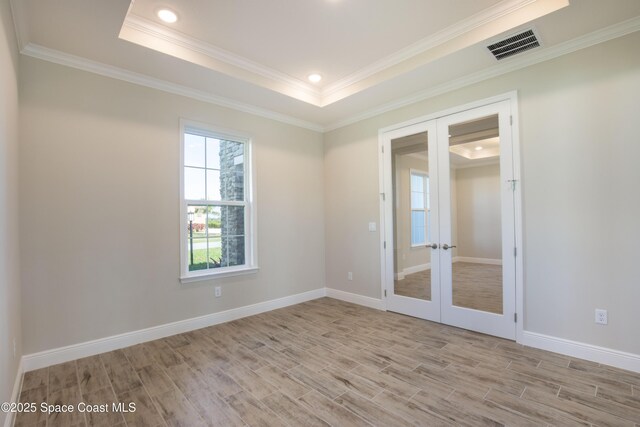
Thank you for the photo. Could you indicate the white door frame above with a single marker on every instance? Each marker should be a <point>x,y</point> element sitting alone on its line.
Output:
<point>424,309</point>
<point>512,97</point>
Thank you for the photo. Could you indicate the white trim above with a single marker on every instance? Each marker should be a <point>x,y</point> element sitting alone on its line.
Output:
<point>416,268</point>
<point>15,393</point>
<point>61,58</point>
<point>512,64</point>
<point>249,204</point>
<point>202,275</point>
<point>144,32</point>
<point>477,260</point>
<point>484,17</point>
<point>594,353</point>
<point>90,348</point>
<point>506,66</point>
<point>378,304</point>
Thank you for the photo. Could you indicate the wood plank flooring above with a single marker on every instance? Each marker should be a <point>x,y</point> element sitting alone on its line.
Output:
<point>327,362</point>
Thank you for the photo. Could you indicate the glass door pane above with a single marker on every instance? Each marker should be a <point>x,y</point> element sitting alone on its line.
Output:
<point>474,159</point>
<point>411,216</point>
<point>412,266</point>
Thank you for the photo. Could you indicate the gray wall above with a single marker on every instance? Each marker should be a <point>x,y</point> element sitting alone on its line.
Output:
<point>579,139</point>
<point>10,328</point>
<point>477,201</point>
<point>99,205</point>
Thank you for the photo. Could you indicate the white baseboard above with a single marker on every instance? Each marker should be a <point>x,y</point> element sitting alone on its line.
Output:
<point>417,268</point>
<point>378,304</point>
<point>477,260</point>
<point>15,394</point>
<point>90,348</point>
<point>43,359</point>
<point>594,353</point>
<point>410,270</point>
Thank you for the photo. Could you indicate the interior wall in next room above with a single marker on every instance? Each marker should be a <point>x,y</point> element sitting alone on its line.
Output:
<point>478,212</point>
<point>409,259</point>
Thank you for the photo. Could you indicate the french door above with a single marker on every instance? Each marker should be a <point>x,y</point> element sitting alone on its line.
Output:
<point>449,215</point>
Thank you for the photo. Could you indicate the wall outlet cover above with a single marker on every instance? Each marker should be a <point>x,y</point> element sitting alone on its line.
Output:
<point>601,316</point>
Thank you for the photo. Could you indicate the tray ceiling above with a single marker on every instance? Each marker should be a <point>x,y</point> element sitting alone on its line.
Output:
<point>255,55</point>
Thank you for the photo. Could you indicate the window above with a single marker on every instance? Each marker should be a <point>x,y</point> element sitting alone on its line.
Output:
<point>420,209</point>
<point>216,204</point>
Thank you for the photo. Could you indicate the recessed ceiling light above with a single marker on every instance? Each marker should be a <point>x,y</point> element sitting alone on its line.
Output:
<point>314,78</point>
<point>168,16</point>
<point>478,148</point>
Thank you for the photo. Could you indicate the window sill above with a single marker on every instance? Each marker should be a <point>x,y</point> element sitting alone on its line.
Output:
<point>209,275</point>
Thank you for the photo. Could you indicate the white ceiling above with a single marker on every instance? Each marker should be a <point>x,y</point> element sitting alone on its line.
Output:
<point>254,55</point>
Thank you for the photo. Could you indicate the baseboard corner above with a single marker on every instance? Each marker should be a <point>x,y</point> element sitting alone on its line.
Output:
<point>90,348</point>
<point>365,301</point>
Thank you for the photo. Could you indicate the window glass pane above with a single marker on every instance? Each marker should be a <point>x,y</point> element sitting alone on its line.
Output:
<point>193,150</point>
<point>213,184</point>
<point>196,238</point>
<point>417,200</point>
<point>232,235</point>
<point>417,227</point>
<point>213,153</point>
<point>231,170</point>
<point>194,184</point>
<point>213,230</point>
<point>416,183</point>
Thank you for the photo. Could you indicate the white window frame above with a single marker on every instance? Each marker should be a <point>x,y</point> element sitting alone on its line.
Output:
<point>427,194</point>
<point>251,256</point>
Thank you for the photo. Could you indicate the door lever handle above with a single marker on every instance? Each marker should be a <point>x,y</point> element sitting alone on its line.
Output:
<point>445,247</point>
<point>432,245</point>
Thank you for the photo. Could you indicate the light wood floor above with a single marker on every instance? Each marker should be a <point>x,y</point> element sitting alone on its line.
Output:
<point>327,362</point>
<point>477,286</point>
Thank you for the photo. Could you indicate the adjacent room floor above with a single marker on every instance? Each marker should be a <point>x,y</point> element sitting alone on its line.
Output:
<point>327,362</point>
<point>477,286</point>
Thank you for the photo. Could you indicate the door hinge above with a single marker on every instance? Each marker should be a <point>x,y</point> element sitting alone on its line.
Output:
<point>384,245</point>
<point>515,317</point>
<point>384,197</point>
<point>511,120</point>
<point>515,252</point>
<point>382,148</point>
<point>385,293</point>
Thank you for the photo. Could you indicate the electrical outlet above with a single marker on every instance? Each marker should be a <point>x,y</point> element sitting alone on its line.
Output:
<point>350,275</point>
<point>601,316</point>
<point>373,226</point>
<point>218,291</point>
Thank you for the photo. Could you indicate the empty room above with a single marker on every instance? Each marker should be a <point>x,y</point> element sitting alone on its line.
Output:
<point>319,212</point>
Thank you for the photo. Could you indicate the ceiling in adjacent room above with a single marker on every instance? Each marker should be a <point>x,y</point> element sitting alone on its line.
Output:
<point>256,55</point>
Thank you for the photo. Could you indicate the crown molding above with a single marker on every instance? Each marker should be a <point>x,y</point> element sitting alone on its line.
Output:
<point>484,17</point>
<point>149,34</point>
<point>55,56</point>
<point>513,64</point>
<point>493,20</point>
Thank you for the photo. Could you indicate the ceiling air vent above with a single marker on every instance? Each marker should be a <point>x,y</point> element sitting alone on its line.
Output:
<point>514,45</point>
